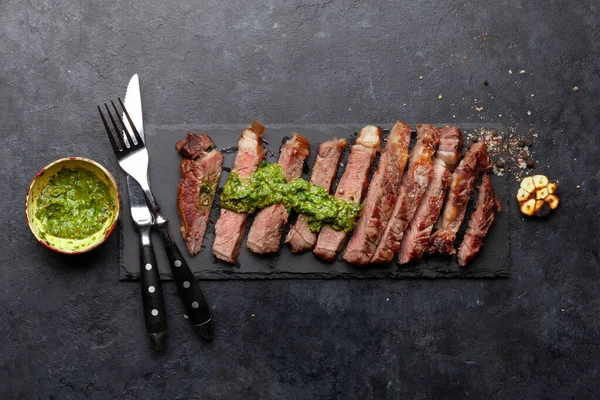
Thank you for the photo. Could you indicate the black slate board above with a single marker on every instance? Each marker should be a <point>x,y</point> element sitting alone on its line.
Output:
<point>492,262</point>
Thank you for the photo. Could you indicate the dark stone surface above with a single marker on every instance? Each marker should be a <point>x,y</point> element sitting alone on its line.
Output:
<point>71,330</point>
<point>492,261</point>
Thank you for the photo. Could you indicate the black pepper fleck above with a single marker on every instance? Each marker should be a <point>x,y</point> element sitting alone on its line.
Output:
<point>500,164</point>
<point>530,163</point>
<point>520,143</point>
<point>475,139</point>
<point>528,143</point>
<point>486,82</point>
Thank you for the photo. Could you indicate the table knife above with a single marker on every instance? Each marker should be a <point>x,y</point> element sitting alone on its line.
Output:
<point>189,291</point>
<point>152,294</point>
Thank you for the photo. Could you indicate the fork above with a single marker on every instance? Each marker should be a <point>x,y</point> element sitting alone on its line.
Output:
<point>133,159</point>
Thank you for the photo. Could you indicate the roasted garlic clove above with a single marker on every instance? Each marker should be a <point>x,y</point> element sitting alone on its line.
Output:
<point>528,184</point>
<point>552,188</point>
<point>522,195</point>
<point>540,181</point>
<point>552,201</point>
<point>528,207</point>
<point>541,194</point>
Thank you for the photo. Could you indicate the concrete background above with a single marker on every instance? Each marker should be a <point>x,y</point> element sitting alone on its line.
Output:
<point>71,330</point>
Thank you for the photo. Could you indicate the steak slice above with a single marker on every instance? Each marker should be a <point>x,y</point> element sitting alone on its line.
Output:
<point>300,237</point>
<point>413,186</point>
<point>480,222</point>
<point>265,232</point>
<point>197,187</point>
<point>194,145</point>
<point>415,242</point>
<point>381,196</point>
<point>463,179</point>
<point>351,187</point>
<point>451,144</point>
<point>230,227</point>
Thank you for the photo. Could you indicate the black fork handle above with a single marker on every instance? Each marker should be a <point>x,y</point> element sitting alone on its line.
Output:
<point>191,295</point>
<point>152,294</point>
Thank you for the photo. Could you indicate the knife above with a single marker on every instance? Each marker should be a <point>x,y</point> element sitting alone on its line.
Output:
<point>152,295</point>
<point>189,291</point>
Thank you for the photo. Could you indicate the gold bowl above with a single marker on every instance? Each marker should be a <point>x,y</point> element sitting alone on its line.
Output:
<point>65,245</point>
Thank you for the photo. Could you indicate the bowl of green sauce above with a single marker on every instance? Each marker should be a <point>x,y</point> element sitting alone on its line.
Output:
<point>72,205</point>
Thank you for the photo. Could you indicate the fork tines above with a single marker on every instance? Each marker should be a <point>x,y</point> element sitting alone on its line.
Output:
<point>130,145</point>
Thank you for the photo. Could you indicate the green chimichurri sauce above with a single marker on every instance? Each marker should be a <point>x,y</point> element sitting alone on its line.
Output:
<point>74,204</point>
<point>268,186</point>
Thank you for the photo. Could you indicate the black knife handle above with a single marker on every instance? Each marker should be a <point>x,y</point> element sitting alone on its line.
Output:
<point>152,296</point>
<point>191,295</point>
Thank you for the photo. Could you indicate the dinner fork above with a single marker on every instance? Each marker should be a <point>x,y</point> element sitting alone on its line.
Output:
<point>132,156</point>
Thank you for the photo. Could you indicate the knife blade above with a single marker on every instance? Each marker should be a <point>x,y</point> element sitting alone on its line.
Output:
<point>152,295</point>
<point>189,290</point>
<point>133,104</point>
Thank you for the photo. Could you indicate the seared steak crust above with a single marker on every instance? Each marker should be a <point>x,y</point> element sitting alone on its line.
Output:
<point>413,186</point>
<point>230,226</point>
<point>480,222</point>
<point>351,187</point>
<point>323,173</point>
<point>265,232</point>
<point>381,196</point>
<point>475,161</point>
<point>451,144</point>
<point>194,145</point>
<point>197,187</point>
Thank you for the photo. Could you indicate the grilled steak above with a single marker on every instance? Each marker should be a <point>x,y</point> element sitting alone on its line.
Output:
<point>463,179</point>
<point>194,145</point>
<point>381,196</point>
<point>451,144</point>
<point>480,222</point>
<point>415,242</point>
<point>323,173</point>
<point>265,232</point>
<point>197,187</point>
<point>351,187</point>
<point>413,186</point>
<point>229,229</point>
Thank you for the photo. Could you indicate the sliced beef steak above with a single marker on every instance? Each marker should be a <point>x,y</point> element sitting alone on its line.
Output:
<point>415,242</point>
<point>265,232</point>
<point>230,227</point>
<point>197,187</point>
<point>475,161</point>
<point>413,186</point>
<point>194,145</point>
<point>480,222</point>
<point>351,187</point>
<point>300,237</point>
<point>451,144</point>
<point>381,196</point>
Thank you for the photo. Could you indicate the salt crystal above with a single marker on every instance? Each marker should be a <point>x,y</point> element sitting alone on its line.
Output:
<point>528,112</point>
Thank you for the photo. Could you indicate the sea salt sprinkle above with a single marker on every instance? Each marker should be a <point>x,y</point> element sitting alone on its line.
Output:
<point>507,154</point>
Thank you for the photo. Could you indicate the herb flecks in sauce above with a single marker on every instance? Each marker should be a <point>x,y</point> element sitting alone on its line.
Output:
<point>74,204</point>
<point>268,186</point>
